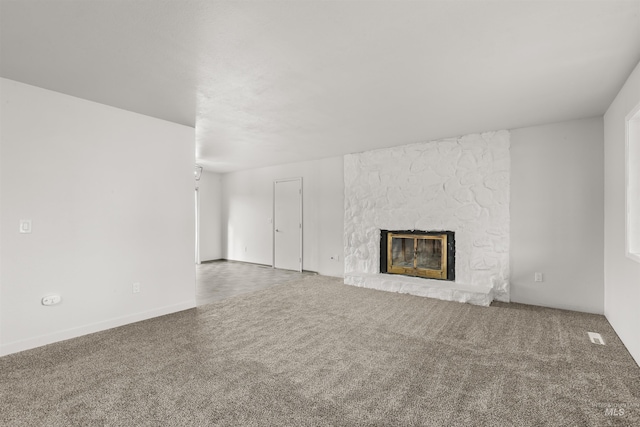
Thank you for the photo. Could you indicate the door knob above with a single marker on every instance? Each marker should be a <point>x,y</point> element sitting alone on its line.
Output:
<point>277,231</point>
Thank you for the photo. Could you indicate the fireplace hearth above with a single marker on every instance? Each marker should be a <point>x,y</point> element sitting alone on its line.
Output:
<point>427,254</point>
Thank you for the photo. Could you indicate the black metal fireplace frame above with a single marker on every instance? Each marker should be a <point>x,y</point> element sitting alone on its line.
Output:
<point>451,249</point>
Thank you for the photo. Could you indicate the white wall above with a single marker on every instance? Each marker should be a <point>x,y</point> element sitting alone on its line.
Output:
<point>622,274</point>
<point>247,207</point>
<point>110,194</point>
<point>210,237</point>
<point>557,215</point>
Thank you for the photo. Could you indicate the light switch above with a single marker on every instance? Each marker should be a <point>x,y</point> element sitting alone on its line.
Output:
<point>25,226</point>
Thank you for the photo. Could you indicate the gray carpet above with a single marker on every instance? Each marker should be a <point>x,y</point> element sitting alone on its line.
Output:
<point>319,353</point>
<point>221,279</point>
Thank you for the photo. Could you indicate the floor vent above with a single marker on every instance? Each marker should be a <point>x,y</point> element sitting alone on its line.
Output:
<point>595,338</point>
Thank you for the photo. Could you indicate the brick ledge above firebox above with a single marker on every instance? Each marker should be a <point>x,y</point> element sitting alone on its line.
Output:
<point>448,291</point>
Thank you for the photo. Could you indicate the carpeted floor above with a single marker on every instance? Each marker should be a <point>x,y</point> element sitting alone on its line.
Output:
<point>316,352</point>
<point>221,279</point>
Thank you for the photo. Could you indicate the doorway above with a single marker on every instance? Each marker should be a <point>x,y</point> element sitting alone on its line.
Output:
<point>287,224</point>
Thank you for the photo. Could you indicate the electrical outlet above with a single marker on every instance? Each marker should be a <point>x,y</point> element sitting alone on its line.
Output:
<point>135,288</point>
<point>537,277</point>
<point>51,300</point>
<point>25,226</point>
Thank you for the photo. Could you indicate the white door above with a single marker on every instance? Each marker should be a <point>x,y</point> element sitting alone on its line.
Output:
<point>287,224</point>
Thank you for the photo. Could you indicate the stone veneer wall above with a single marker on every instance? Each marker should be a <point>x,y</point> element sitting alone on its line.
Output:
<point>458,184</point>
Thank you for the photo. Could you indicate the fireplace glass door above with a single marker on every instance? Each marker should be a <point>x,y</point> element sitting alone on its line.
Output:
<point>417,255</point>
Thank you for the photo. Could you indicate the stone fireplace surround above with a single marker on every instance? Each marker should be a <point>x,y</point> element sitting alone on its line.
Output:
<point>459,184</point>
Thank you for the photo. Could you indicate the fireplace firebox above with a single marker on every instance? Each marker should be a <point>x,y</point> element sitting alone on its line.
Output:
<point>428,254</point>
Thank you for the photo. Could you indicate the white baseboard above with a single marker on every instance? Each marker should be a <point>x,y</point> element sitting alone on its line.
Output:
<point>29,343</point>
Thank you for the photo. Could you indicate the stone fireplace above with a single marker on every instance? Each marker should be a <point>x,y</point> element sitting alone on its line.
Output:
<point>460,185</point>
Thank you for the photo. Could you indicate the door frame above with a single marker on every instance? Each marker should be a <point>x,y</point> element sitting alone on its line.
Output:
<point>197,209</point>
<point>273,222</point>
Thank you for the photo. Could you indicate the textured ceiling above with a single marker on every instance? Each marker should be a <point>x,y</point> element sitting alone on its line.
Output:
<point>272,82</point>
